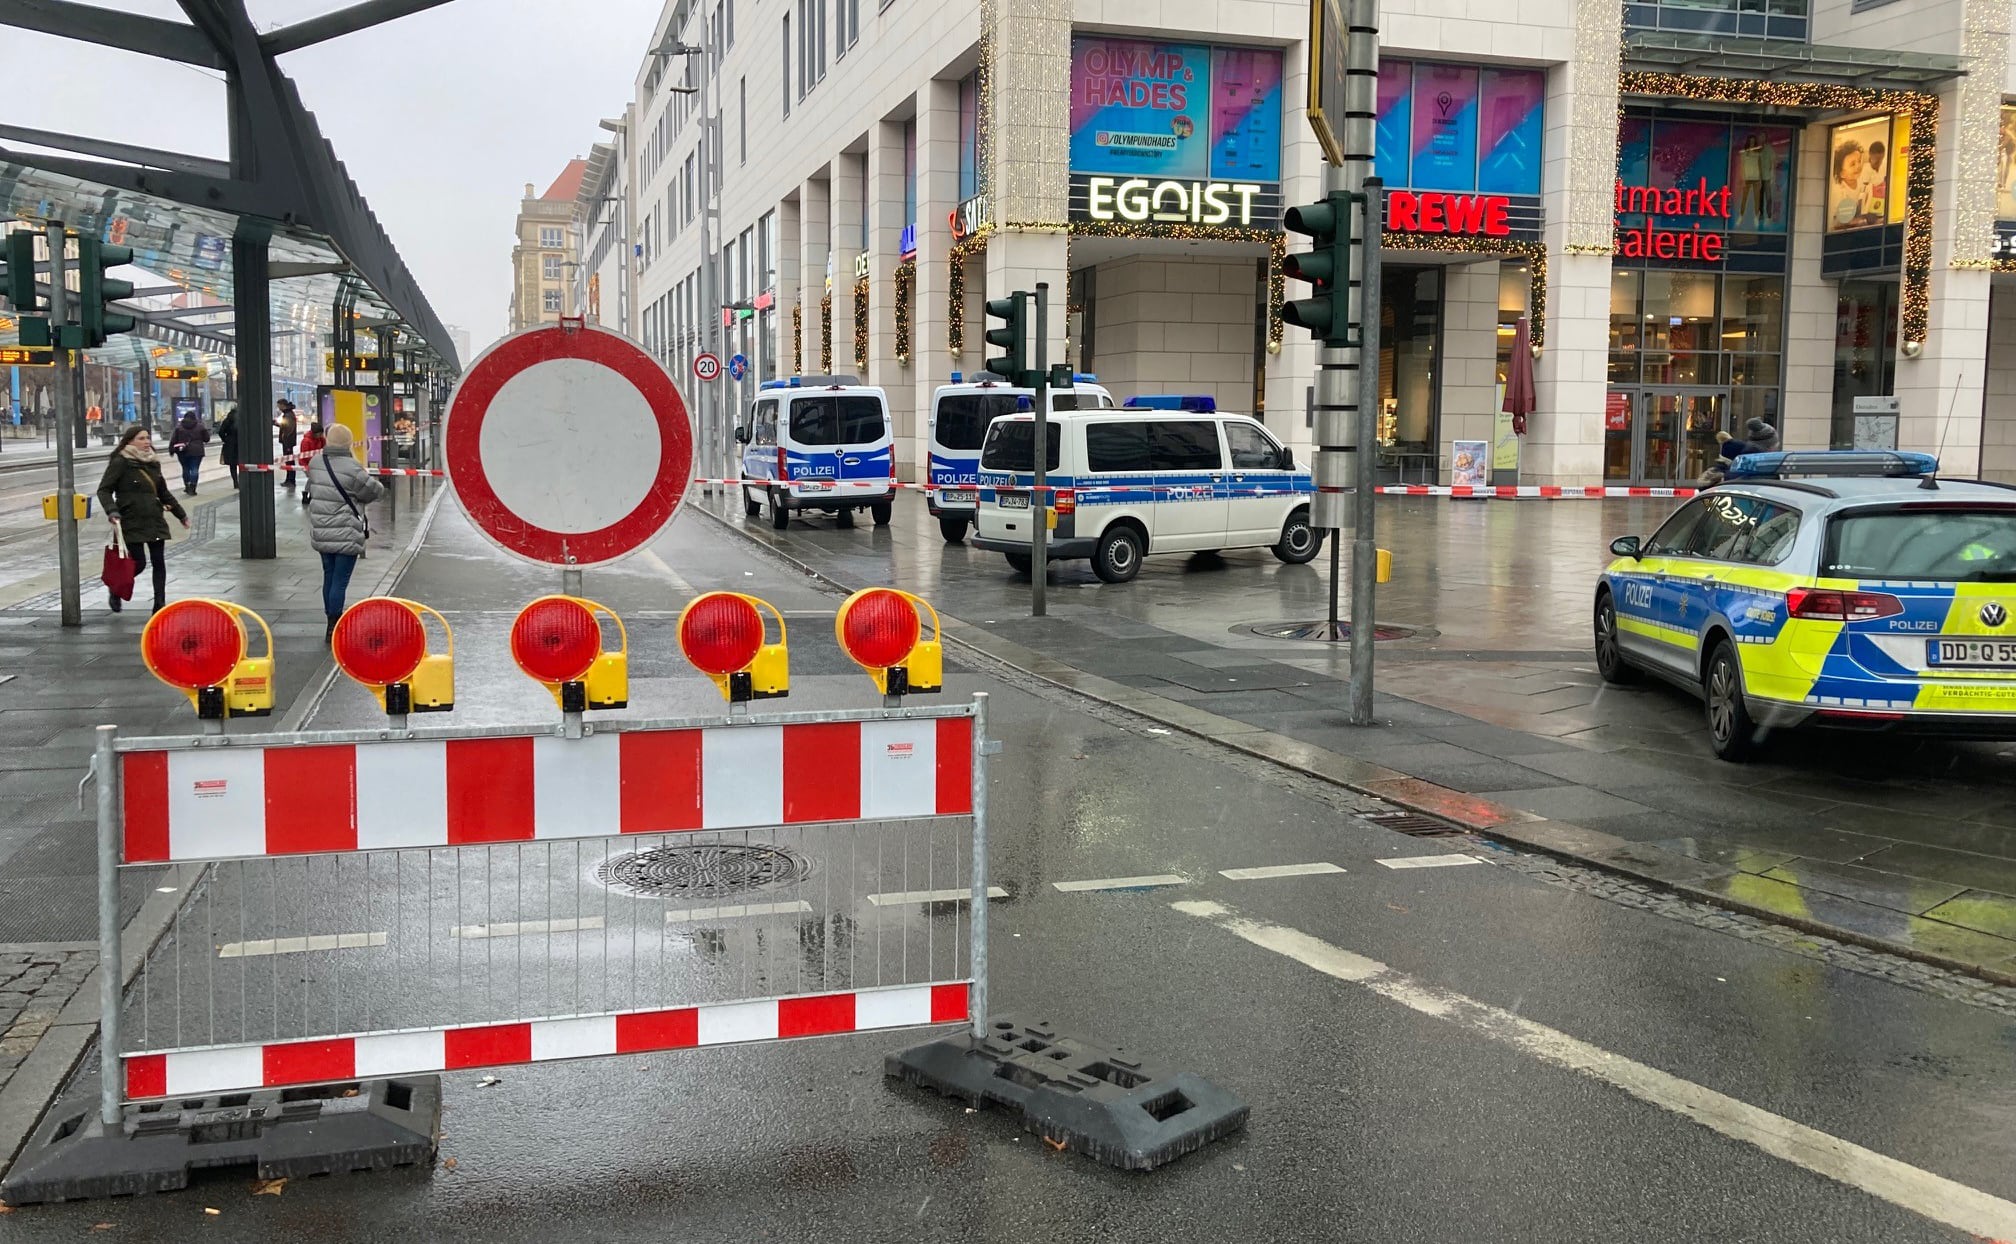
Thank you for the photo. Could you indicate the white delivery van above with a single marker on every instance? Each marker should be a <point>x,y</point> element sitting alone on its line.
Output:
<point>960,413</point>
<point>1172,477</point>
<point>818,443</point>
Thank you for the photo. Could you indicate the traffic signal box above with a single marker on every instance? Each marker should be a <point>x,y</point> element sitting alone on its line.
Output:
<point>1012,337</point>
<point>98,290</point>
<point>199,648</point>
<point>723,635</point>
<point>557,640</point>
<point>1326,266</point>
<point>881,630</point>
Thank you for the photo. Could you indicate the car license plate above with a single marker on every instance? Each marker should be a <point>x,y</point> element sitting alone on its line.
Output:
<point>1987,652</point>
<point>963,496</point>
<point>1013,500</point>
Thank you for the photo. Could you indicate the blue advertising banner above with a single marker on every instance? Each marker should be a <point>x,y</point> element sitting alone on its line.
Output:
<point>1178,111</point>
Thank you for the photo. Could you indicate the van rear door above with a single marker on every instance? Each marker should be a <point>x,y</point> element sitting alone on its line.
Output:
<point>840,439</point>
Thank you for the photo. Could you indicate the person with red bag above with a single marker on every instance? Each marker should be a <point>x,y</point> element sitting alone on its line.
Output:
<point>135,496</point>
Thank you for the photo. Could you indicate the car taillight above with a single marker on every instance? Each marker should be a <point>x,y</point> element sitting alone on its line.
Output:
<point>1066,501</point>
<point>1827,605</point>
<point>782,471</point>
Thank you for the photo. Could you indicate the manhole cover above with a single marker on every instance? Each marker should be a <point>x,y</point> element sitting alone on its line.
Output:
<point>702,871</point>
<point>1382,632</point>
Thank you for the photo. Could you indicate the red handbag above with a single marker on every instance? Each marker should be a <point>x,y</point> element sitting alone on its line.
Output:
<point>118,572</point>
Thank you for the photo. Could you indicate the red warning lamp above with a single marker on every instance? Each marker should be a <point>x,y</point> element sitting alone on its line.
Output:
<point>881,629</point>
<point>723,633</point>
<point>382,643</point>
<point>558,641</point>
<point>199,648</point>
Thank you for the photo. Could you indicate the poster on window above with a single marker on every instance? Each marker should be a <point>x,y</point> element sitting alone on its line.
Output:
<point>1760,171</point>
<point>1470,464</point>
<point>1509,131</point>
<point>1863,175</point>
<point>1445,128</point>
<point>1175,110</point>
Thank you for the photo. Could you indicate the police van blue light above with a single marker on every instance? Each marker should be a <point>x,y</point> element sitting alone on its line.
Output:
<point>1196,403</point>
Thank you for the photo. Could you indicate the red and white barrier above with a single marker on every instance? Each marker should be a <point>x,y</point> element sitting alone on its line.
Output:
<point>218,1069</point>
<point>210,803</point>
<point>1551,492</point>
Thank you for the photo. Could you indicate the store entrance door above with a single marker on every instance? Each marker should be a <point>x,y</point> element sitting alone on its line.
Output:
<point>1669,434</point>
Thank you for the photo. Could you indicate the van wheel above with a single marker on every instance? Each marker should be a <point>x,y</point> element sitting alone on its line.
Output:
<point>843,518</point>
<point>1731,732</point>
<point>1118,557</point>
<point>953,528</point>
<point>1299,541</point>
<point>1021,563</point>
<point>780,518</point>
<point>751,507</point>
<point>882,511</point>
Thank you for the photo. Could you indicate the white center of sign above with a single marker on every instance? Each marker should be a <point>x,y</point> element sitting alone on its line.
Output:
<point>570,446</point>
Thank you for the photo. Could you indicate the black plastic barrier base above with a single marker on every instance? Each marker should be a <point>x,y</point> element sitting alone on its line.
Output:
<point>1100,1102</point>
<point>281,1133</point>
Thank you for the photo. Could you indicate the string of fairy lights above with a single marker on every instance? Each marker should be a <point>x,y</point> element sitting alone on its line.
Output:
<point>861,325</point>
<point>826,333</point>
<point>797,339</point>
<point>906,283</point>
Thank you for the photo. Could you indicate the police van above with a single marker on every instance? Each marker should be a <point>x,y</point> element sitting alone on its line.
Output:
<point>818,443</point>
<point>960,413</point>
<point>1164,474</point>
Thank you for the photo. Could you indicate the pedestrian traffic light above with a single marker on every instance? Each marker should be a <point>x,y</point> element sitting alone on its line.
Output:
<point>98,291</point>
<point>1012,336</point>
<point>18,261</point>
<point>1326,265</point>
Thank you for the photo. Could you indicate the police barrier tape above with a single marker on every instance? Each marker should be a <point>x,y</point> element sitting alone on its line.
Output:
<point>880,485</point>
<point>301,464</point>
<point>1551,492</point>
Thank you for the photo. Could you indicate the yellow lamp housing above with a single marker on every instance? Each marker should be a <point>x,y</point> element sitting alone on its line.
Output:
<point>608,681</point>
<point>765,675</point>
<point>603,683</point>
<point>922,671</point>
<point>249,690</point>
<point>429,687</point>
<point>246,690</point>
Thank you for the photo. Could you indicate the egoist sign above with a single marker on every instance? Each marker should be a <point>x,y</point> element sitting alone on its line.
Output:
<point>1147,200</point>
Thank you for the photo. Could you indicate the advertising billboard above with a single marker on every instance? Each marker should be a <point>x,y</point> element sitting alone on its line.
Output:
<point>1175,111</point>
<point>1460,128</point>
<point>1866,172</point>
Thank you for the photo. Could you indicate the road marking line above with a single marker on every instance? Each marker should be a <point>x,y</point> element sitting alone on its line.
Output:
<point>736,912</point>
<point>1156,881</point>
<point>678,583</point>
<point>1276,870</point>
<point>903,897</point>
<point>1932,1196</point>
<point>298,945</point>
<point>1431,861</point>
<point>525,928</point>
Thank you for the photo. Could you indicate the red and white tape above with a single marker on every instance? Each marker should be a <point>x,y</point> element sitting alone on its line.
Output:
<point>1547,492</point>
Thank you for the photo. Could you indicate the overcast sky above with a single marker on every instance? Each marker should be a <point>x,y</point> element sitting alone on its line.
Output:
<point>441,117</point>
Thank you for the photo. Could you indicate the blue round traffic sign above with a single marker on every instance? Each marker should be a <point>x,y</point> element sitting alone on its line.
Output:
<point>738,366</point>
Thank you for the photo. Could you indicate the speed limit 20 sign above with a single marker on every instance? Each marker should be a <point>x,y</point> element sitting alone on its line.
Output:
<point>706,366</point>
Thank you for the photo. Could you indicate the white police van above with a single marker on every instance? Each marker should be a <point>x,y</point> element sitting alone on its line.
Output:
<point>818,443</point>
<point>960,413</point>
<point>1164,474</point>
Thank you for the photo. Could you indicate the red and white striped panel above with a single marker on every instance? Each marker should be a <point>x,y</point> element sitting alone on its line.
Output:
<point>329,1060</point>
<point>1550,492</point>
<point>210,803</point>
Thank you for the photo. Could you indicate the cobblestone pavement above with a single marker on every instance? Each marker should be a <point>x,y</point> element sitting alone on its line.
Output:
<point>34,986</point>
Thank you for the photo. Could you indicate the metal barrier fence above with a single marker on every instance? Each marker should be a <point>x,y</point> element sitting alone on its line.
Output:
<point>391,902</point>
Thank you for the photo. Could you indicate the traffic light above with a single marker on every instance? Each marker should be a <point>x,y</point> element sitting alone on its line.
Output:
<point>1012,336</point>
<point>19,263</point>
<point>99,321</point>
<point>1326,265</point>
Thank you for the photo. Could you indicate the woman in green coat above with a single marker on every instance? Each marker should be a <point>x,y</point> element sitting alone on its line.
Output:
<point>135,497</point>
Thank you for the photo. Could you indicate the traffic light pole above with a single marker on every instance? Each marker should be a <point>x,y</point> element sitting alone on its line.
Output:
<point>1364,553</point>
<point>66,419</point>
<point>1039,540</point>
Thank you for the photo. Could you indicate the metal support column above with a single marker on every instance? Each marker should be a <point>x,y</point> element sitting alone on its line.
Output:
<point>1039,496</point>
<point>67,418</point>
<point>1364,550</point>
<point>252,318</point>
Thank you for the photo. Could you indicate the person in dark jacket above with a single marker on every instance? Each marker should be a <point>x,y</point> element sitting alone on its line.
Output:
<point>227,443</point>
<point>135,496</point>
<point>187,446</point>
<point>311,444</point>
<point>287,426</point>
<point>337,488</point>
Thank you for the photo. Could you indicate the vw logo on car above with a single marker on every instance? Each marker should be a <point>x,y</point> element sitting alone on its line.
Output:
<point>1993,614</point>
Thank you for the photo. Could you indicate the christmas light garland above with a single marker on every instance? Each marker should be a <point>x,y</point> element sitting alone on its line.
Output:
<point>797,339</point>
<point>1533,253</point>
<point>955,289</point>
<point>861,326</point>
<point>906,284</point>
<point>1275,240</point>
<point>826,333</point>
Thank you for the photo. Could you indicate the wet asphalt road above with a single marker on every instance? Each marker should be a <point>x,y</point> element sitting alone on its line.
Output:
<point>1371,1120</point>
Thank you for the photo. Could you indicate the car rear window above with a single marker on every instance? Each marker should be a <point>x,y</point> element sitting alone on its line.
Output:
<point>842,419</point>
<point>963,417</point>
<point>1011,446</point>
<point>1080,401</point>
<point>1945,543</point>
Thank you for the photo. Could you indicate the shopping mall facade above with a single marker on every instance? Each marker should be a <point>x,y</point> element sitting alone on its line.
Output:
<point>1799,210</point>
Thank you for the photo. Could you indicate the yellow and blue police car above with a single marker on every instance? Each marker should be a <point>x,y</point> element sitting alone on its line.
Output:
<point>1849,589</point>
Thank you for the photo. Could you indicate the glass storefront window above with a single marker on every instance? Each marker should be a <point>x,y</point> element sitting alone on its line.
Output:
<point>1409,345</point>
<point>1515,287</point>
<point>1753,314</point>
<point>1625,327</point>
<point>1865,351</point>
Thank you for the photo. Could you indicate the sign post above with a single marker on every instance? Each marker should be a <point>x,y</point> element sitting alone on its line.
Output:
<point>67,420</point>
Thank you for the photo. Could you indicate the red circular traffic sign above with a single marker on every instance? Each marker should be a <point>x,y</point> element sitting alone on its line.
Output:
<point>379,641</point>
<point>556,639</point>
<point>568,446</point>
<point>706,366</point>
<point>192,644</point>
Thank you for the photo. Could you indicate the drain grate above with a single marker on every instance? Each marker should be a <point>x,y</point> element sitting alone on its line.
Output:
<point>1320,632</point>
<point>702,871</point>
<point>1416,825</point>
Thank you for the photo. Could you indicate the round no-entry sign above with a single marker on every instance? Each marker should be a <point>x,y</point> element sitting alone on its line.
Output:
<point>568,446</point>
<point>706,366</point>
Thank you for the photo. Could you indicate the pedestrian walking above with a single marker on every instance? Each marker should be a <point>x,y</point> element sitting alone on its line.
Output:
<point>311,444</point>
<point>287,426</point>
<point>135,496</point>
<point>227,443</point>
<point>337,488</point>
<point>187,446</point>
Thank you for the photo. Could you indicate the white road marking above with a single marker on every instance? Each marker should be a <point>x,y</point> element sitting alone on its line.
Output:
<point>1431,861</point>
<point>902,897</point>
<point>1276,870</point>
<point>658,563</point>
<point>525,928</point>
<point>1121,883</point>
<point>736,912</point>
<point>297,945</point>
<point>1933,1196</point>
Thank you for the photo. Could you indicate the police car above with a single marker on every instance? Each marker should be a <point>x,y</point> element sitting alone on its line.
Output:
<point>1165,474</point>
<point>1847,589</point>
<point>960,413</point>
<point>818,443</point>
